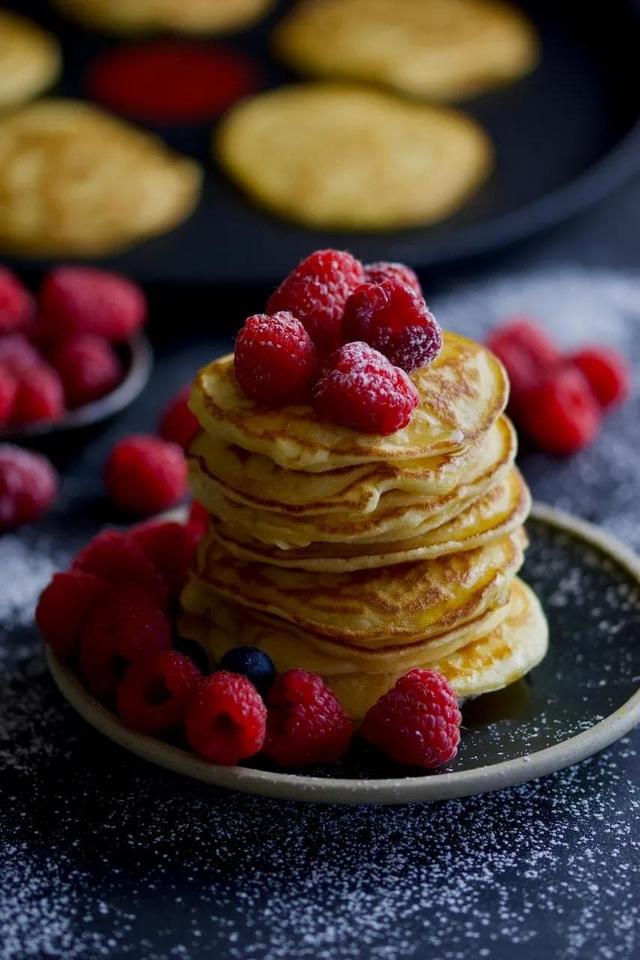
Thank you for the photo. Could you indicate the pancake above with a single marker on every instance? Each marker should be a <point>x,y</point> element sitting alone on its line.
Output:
<point>501,510</point>
<point>462,393</point>
<point>351,158</point>
<point>438,49</point>
<point>29,59</point>
<point>179,16</point>
<point>76,181</point>
<point>374,608</point>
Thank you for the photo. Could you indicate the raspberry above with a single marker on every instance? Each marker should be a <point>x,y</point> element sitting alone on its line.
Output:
<point>178,424</point>
<point>417,722</point>
<point>28,486</point>
<point>275,359</point>
<point>561,415</point>
<point>377,272</point>
<point>153,695</point>
<point>120,559</point>
<point>527,353</point>
<point>170,547</point>
<point>306,723</point>
<point>225,719</point>
<point>88,368</point>
<point>606,373</point>
<point>394,320</point>
<point>65,606</point>
<point>198,521</point>
<point>145,475</point>
<point>85,300</point>
<point>39,396</point>
<point>16,304</point>
<point>8,390</point>
<point>316,292</point>
<point>17,355</point>
<point>126,627</point>
<point>360,388</point>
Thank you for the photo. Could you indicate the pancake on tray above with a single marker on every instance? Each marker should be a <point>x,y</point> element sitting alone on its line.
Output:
<point>179,16</point>
<point>76,181</point>
<point>437,49</point>
<point>30,60</point>
<point>346,157</point>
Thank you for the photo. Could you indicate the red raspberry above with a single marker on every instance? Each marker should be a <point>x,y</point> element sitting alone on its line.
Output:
<point>126,627</point>
<point>39,396</point>
<point>28,486</point>
<point>225,719</point>
<point>198,520</point>
<point>394,320</point>
<point>377,272</point>
<point>145,475</point>
<point>16,304</point>
<point>153,695</point>
<point>170,547</point>
<point>275,359</point>
<point>606,372</point>
<point>361,389</point>
<point>65,606</point>
<point>86,300</point>
<point>8,391</point>
<point>527,353</point>
<point>17,355</point>
<point>88,368</point>
<point>561,415</point>
<point>417,722</point>
<point>305,722</point>
<point>316,292</point>
<point>119,558</point>
<point>178,424</point>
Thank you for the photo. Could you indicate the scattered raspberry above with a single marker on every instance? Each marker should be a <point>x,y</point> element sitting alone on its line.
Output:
<point>16,304</point>
<point>417,722</point>
<point>225,719</point>
<point>178,424</point>
<point>28,486</point>
<point>305,722</point>
<point>153,695</point>
<point>377,272</point>
<point>65,606</point>
<point>561,414</point>
<point>119,558</point>
<point>17,355</point>
<point>275,359</point>
<point>362,389</point>
<point>145,475</point>
<point>527,353</point>
<point>394,320</point>
<point>8,391</point>
<point>198,521</point>
<point>126,627</point>
<point>606,372</point>
<point>88,368</point>
<point>39,396</point>
<point>86,300</point>
<point>316,292</point>
<point>170,547</point>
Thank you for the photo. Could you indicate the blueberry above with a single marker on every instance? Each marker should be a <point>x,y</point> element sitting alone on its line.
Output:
<point>251,663</point>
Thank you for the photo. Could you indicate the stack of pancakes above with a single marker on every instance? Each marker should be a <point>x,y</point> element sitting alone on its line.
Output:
<point>360,556</point>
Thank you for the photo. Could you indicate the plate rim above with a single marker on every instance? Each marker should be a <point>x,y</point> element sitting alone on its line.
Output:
<point>397,790</point>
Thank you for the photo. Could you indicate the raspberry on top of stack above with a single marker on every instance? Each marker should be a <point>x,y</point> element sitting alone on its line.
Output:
<point>366,515</point>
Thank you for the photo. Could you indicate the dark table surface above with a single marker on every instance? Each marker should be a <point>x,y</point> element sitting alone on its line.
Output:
<point>128,861</point>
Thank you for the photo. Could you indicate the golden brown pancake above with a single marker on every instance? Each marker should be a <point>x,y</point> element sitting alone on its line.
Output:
<point>29,59</point>
<point>75,181</point>
<point>438,49</point>
<point>339,157</point>
<point>176,16</point>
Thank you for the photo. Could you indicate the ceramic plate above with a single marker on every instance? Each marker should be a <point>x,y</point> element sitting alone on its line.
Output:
<point>581,698</point>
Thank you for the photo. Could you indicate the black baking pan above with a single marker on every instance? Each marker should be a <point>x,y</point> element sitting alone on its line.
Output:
<point>564,136</point>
